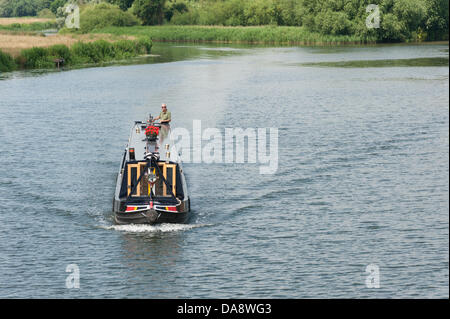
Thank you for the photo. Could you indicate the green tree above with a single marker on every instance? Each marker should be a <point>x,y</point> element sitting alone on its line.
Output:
<point>18,8</point>
<point>151,12</point>
<point>43,4</point>
<point>260,12</point>
<point>103,15</point>
<point>411,12</point>
<point>123,4</point>
<point>172,7</point>
<point>436,23</point>
<point>57,4</point>
<point>392,29</point>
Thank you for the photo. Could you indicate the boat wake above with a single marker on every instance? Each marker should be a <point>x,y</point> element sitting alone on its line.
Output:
<point>161,228</point>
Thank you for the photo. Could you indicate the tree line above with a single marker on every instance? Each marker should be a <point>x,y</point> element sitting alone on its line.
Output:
<point>399,20</point>
<point>26,8</point>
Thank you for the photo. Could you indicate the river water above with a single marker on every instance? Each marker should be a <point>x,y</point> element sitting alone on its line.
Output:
<point>362,176</point>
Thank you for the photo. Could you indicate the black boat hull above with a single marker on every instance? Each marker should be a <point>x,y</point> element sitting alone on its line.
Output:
<point>122,216</point>
<point>150,217</point>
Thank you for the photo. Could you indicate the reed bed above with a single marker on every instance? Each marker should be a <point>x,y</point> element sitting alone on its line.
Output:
<point>75,53</point>
<point>6,62</point>
<point>23,27</point>
<point>14,43</point>
<point>254,34</point>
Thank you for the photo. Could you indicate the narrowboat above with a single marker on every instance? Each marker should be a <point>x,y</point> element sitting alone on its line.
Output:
<point>151,187</point>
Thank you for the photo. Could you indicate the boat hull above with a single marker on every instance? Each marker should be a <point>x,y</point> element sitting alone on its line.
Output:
<point>150,217</point>
<point>123,216</point>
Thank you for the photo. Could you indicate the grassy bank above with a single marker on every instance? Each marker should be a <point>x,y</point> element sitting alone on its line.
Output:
<point>78,54</point>
<point>257,34</point>
<point>14,42</point>
<point>6,62</point>
<point>26,24</point>
<point>34,26</point>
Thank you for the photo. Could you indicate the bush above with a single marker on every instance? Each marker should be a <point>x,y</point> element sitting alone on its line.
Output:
<point>392,28</point>
<point>125,48</point>
<point>401,20</point>
<point>6,62</point>
<point>332,22</point>
<point>86,53</point>
<point>80,53</point>
<point>144,45</point>
<point>174,7</point>
<point>104,51</point>
<point>60,51</point>
<point>36,58</point>
<point>104,15</point>
<point>57,4</point>
<point>46,13</point>
<point>188,18</point>
<point>151,12</point>
<point>260,12</point>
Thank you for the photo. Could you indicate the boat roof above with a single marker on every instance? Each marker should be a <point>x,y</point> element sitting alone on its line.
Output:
<point>163,144</point>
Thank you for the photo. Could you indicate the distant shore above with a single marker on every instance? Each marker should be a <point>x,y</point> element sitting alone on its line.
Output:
<point>248,35</point>
<point>25,51</point>
<point>25,34</point>
<point>24,45</point>
<point>243,35</point>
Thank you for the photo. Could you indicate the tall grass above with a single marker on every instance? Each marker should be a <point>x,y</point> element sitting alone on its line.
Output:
<point>6,62</point>
<point>35,26</point>
<point>14,42</point>
<point>255,34</point>
<point>80,53</point>
<point>35,58</point>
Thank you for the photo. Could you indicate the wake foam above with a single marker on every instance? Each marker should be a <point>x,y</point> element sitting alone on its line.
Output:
<point>162,228</point>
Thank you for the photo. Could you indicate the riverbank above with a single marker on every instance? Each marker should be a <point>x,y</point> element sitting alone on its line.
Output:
<point>14,41</point>
<point>250,35</point>
<point>22,48</point>
<point>26,24</point>
<point>25,43</point>
<point>52,51</point>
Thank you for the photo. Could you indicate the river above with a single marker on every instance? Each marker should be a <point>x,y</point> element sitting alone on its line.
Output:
<point>362,178</point>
